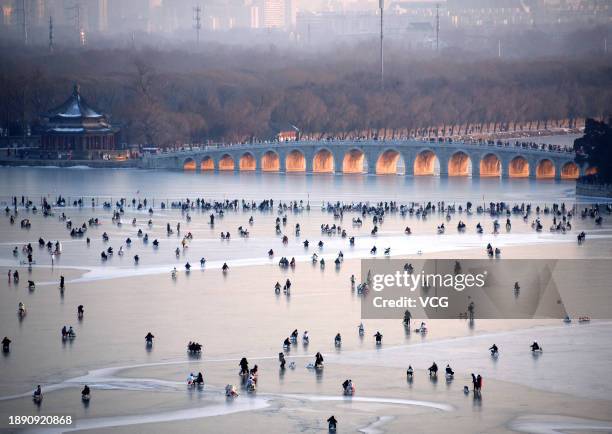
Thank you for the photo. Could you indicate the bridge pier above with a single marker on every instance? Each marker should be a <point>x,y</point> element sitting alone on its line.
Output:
<point>308,161</point>
<point>505,168</point>
<point>338,161</point>
<point>409,157</point>
<point>282,162</point>
<point>370,157</point>
<point>258,156</point>
<point>475,169</point>
<point>237,156</point>
<point>533,166</point>
<point>443,159</point>
<point>558,167</point>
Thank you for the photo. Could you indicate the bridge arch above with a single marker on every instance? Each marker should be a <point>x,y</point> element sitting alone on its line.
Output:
<point>490,165</point>
<point>425,163</point>
<point>270,161</point>
<point>518,167</point>
<point>207,163</point>
<point>247,162</point>
<point>590,170</point>
<point>570,170</point>
<point>295,161</point>
<point>226,162</point>
<point>189,164</point>
<point>390,162</point>
<point>459,164</point>
<point>545,169</point>
<point>323,161</point>
<point>355,161</point>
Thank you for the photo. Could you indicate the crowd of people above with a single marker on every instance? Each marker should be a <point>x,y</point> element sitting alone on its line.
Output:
<point>364,211</point>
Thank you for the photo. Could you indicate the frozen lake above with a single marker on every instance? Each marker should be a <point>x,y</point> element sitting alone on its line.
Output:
<point>238,314</point>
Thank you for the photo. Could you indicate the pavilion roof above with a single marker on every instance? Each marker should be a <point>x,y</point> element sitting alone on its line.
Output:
<point>75,107</point>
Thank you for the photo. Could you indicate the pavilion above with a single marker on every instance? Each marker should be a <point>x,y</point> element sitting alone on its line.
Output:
<point>77,131</point>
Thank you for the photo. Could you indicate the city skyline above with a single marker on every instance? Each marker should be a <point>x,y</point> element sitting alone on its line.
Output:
<point>299,19</point>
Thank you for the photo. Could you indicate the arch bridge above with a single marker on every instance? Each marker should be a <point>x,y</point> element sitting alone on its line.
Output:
<point>407,157</point>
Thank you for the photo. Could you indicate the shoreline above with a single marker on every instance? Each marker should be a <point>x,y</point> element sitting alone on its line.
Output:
<point>74,164</point>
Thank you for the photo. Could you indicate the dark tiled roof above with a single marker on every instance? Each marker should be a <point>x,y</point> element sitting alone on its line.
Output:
<point>75,107</point>
<point>75,117</point>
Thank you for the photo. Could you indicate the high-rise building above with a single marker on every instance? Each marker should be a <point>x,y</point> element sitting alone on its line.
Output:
<point>37,13</point>
<point>7,12</point>
<point>290,14</point>
<point>11,12</point>
<point>274,14</point>
<point>94,15</point>
<point>130,15</point>
<point>102,15</point>
<point>255,21</point>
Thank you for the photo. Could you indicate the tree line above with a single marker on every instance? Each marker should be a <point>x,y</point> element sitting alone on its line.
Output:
<point>233,94</point>
<point>595,149</point>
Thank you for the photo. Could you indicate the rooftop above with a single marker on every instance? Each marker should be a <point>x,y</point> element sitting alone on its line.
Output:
<point>75,107</point>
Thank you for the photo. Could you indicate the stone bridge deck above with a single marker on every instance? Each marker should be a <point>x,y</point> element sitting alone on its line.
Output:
<point>410,157</point>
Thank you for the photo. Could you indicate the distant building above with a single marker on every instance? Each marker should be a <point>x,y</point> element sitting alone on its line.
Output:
<point>77,130</point>
<point>254,17</point>
<point>97,15</point>
<point>274,14</point>
<point>322,25</point>
<point>290,14</point>
<point>286,132</point>
<point>288,135</point>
